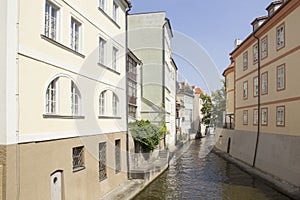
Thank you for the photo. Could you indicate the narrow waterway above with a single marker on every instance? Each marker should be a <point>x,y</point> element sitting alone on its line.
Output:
<point>198,175</point>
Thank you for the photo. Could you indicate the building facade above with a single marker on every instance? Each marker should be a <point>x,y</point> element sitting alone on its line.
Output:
<point>63,125</point>
<point>149,39</point>
<point>266,93</point>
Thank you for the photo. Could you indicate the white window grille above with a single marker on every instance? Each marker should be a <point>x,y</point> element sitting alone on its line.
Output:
<point>264,116</point>
<point>102,98</point>
<point>115,104</point>
<point>264,47</point>
<point>280,116</point>
<point>115,11</point>
<point>114,59</point>
<point>280,77</point>
<point>51,15</point>
<point>264,83</point>
<point>51,97</point>
<point>255,86</point>
<point>280,37</point>
<point>102,47</point>
<point>75,99</point>
<point>75,34</point>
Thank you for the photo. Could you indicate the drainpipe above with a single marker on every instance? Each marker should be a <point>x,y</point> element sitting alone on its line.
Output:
<point>126,81</point>
<point>258,100</point>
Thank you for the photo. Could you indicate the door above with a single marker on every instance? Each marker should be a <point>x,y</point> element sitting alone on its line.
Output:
<point>56,185</point>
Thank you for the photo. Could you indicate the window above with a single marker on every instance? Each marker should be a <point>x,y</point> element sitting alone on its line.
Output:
<point>255,86</point>
<point>132,111</point>
<point>245,117</point>
<point>117,156</point>
<point>102,161</point>
<point>115,104</point>
<point>75,99</point>
<point>51,20</point>
<point>245,90</point>
<point>264,116</point>
<point>114,59</point>
<point>245,60</point>
<point>280,116</point>
<point>75,34</point>
<point>102,47</point>
<point>264,83</point>
<point>281,77</point>
<point>115,12</point>
<point>78,158</point>
<point>51,97</point>
<point>102,103</point>
<point>280,36</point>
<point>102,4</point>
<point>264,47</point>
<point>255,116</point>
<point>255,53</point>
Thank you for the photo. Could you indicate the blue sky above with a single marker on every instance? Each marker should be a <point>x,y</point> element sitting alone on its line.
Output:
<point>214,25</point>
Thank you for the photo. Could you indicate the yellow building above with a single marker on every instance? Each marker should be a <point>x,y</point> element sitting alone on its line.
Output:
<point>267,94</point>
<point>63,98</point>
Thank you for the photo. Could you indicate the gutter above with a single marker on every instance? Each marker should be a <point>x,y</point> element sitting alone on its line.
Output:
<point>258,99</point>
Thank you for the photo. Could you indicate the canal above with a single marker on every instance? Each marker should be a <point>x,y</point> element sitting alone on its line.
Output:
<point>198,174</point>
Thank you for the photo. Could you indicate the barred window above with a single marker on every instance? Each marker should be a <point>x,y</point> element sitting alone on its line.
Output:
<point>78,158</point>
<point>118,156</point>
<point>102,161</point>
<point>51,15</point>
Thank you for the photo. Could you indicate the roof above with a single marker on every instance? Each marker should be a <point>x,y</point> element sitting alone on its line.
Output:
<point>198,91</point>
<point>229,69</point>
<point>274,3</point>
<point>261,26</point>
<point>259,19</point>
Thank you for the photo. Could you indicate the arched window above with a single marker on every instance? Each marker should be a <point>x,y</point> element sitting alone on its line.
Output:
<point>75,99</point>
<point>102,103</point>
<point>51,97</point>
<point>62,97</point>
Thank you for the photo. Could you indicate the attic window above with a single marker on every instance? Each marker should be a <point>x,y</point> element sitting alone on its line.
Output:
<point>271,11</point>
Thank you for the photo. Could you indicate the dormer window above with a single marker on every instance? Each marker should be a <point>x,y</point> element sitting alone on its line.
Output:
<point>273,7</point>
<point>258,21</point>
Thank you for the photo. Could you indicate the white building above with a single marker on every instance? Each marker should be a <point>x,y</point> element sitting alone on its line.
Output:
<point>63,103</point>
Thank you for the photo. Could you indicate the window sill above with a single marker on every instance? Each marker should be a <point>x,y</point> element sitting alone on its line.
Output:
<point>62,46</point>
<point>111,19</point>
<point>108,117</point>
<point>77,169</point>
<point>46,116</point>
<point>110,69</point>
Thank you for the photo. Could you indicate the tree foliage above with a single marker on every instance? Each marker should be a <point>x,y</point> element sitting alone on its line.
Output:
<point>219,104</point>
<point>147,134</point>
<point>206,109</point>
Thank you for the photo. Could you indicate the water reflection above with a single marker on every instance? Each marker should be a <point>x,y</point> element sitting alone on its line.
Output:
<point>196,177</point>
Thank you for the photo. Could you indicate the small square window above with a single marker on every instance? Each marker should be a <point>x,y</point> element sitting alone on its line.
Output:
<point>78,158</point>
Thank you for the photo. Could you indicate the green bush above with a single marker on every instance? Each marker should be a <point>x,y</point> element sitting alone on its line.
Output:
<point>147,134</point>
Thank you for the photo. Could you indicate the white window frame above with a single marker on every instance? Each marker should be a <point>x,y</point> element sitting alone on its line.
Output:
<point>115,12</point>
<point>255,117</point>
<point>264,47</point>
<point>48,29</point>
<point>280,77</point>
<point>52,103</point>
<point>75,100</point>
<point>102,4</point>
<point>280,36</point>
<point>102,51</point>
<point>102,103</point>
<point>245,90</point>
<point>255,53</point>
<point>255,86</point>
<point>264,116</point>
<point>75,36</point>
<point>280,116</point>
<point>264,83</point>
<point>115,53</point>
<point>245,60</point>
<point>115,104</point>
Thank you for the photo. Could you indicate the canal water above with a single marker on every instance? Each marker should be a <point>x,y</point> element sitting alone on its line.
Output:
<point>198,174</point>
